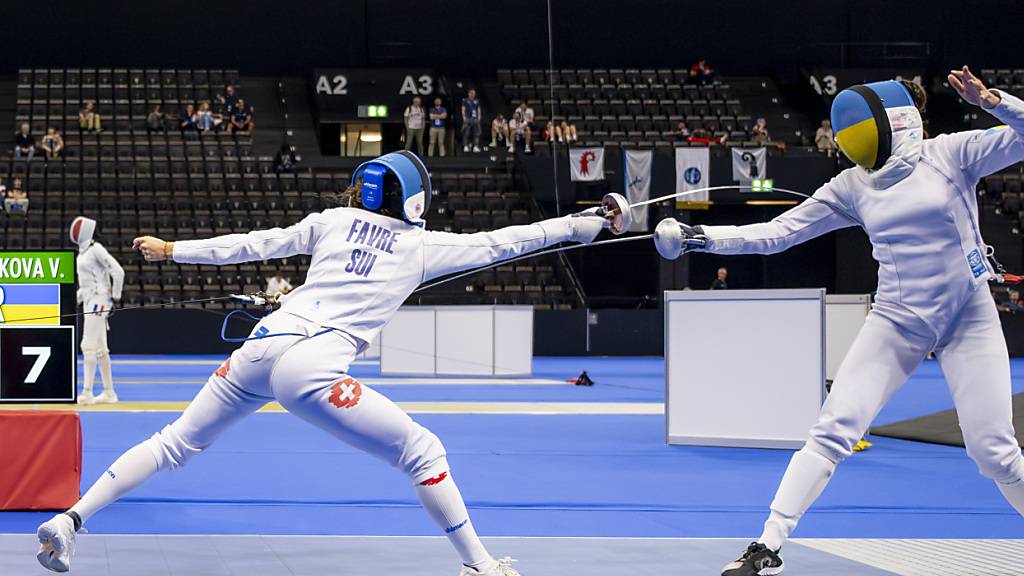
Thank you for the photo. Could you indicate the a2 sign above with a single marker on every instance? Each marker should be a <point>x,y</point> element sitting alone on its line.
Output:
<point>411,85</point>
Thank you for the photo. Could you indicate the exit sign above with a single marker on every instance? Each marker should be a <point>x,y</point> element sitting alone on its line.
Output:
<point>373,111</point>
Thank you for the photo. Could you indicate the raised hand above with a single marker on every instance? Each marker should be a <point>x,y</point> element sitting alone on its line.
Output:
<point>153,249</point>
<point>972,89</point>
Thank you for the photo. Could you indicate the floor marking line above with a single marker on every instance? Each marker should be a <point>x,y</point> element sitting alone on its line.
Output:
<point>385,381</point>
<point>507,408</point>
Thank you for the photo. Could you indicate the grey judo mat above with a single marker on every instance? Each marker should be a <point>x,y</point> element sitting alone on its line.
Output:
<point>943,427</point>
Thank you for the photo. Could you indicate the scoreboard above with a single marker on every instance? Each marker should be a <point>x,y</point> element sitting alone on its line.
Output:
<point>37,344</point>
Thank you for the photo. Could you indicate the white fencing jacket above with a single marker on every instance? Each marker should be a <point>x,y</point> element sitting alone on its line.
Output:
<point>364,264</point>
<point>99,274</point>
<point>919,210</point>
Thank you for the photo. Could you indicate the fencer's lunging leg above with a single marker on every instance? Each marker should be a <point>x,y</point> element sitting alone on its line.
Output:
<point>309,381</point>
<point>977,368</point>
<point>217,407</point>
<point>881,359</point>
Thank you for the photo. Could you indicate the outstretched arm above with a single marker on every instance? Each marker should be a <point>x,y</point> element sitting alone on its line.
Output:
<point>983,152</point>
<point>235,248</point>
<point>820,214</point>
<point>446,252</point>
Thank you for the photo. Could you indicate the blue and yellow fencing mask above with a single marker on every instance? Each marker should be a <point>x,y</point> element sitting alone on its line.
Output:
<point>397,181</point>
<point>866,117</point>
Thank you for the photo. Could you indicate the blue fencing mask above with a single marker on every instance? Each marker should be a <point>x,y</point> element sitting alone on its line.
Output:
<point>397,181</point>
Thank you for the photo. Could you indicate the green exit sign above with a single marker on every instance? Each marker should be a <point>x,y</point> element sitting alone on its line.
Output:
<point>373,111</point>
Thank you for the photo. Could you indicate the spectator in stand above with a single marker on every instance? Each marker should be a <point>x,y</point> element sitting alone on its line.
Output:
<point>1013,305</point>
<point>563,132</point>
<point>155,120</point>
<point>719,283</point>
<point>286,161</point>
<point>471,121</point>
<point>702,136</point>
<point>438,127</point>
<point>15,198</point>
<point>527,114</point>
<point>825,140</point>
<point>520,131</point>
<point>499,131</point>
<point>53,144</point>
<point>681,133</point>
<point>702,73</point>
<point>241,120</point>
<point>206,120</point>
<point>278,285</point>
<point>414,120</point>
<point>228,100</point>
<point>24,142</point>
<point>190,123</point>
<point>89,118</point>
<point>759,132</point>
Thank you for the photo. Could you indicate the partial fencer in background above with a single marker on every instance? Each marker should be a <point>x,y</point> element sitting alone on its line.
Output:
<point>100,279</point>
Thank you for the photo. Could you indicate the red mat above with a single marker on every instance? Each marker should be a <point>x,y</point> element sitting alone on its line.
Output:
<point>40,460</point>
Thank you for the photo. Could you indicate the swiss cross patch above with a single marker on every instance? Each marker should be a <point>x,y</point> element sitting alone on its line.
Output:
<point>346,393</point>
<point>224,368</point>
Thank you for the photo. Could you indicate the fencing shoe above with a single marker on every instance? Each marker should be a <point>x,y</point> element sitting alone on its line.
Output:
<point>56,543</point>
<point>757,560</point>
<point>107,397</point>
<point>502,568</point>
<point>86,398</point>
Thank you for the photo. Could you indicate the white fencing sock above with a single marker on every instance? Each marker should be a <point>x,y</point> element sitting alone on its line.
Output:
<point>133,468</point>
<point>105,374</point>
<point>443,501</point>
<point>805,478</point>
<point>1014,494</point>
<point>90,373</point>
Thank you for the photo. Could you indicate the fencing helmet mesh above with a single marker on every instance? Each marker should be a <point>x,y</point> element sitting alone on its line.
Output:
<point>81,230</point>
<point>397,181</point>
<point>866,117</point>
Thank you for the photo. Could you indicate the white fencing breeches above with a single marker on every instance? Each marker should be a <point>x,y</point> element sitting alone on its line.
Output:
<point>94,342</point>
<point>976,364</point>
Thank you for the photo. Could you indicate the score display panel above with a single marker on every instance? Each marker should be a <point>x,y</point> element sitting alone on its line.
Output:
<point>37,344</point>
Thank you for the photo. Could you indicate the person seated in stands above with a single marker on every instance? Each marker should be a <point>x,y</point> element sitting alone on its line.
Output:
<point>241,120</point>
<point>499,131</point>
<point>155,120</point>
<point>759,132</point>
<point>702,73</point>
<point>702,136</point>
<point>528,116</point>
<point>24,142</point>
<point>15,198</point>
<point>228,100</point>
<point>278,285</point>
<point>825,140</point>
<point>53,143</point>
<point>520,131</point>
<point>88,117</point>
<point>189,123</point>
<point>206,119</point>
<point>286,160</point>
<point>681,133</point>
<point>560,132</point>
<point>1013,304</point>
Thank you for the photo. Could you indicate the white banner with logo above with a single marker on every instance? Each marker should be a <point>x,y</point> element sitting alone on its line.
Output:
<point>749,164</point>
<point>693,171</point>
<point>586,164</point>
<point>638,185</point>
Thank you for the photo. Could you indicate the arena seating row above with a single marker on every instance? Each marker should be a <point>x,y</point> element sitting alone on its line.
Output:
<point>600,76</point>
<point>1005,79</point>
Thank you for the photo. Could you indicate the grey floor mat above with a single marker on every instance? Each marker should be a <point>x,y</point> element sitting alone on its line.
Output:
<point>943,427</point>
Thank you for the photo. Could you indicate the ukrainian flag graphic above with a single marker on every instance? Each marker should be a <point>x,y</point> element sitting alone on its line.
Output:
<point>30,303</point>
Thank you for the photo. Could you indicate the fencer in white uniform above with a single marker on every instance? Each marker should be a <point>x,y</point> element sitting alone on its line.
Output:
<point>365,263</point>
<point>100,280</point>
<point>916,200</point>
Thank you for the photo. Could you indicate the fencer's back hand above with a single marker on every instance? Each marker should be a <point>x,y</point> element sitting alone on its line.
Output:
<point>972,89</point>
<point>152,249</point>
<point>587,225</point>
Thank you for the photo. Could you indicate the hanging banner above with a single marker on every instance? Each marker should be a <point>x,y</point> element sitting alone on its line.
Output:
<point>586,164</point>
<point>693,171</point>
<point>749,164</point>
<point>638,185</point>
